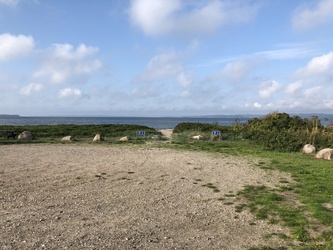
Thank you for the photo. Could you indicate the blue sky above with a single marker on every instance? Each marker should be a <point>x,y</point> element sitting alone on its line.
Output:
<point>165,57</point>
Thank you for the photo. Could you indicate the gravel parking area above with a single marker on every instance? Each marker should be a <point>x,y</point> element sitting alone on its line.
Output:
<point>72,196</point>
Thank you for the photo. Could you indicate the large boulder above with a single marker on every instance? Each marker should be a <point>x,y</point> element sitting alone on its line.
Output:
<point>68,138</point>
<point>98,137</point>
<point>326,154</point>
<point>308,149</point>
<point>25,135</point>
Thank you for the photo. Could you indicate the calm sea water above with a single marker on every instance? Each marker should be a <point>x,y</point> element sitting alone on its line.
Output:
<point>154,122</point>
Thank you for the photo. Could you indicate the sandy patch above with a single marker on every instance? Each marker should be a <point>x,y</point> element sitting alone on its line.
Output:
<point>125,197</point>
<point>166,132</point>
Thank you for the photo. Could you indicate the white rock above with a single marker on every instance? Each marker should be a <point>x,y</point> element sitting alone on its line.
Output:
<point>125,138</point>
<point>68,138</point>
<point>197,137</point>
<point>308,149</point>
<point>25,135</point>
<point>326,154</point>
<point>98,137</point>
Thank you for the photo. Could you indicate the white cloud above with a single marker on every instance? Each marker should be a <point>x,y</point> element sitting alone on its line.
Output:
<point>293,87</point>
<point>318,65</point>
<point>69,92</point>
<point>160,17</point>
<point>164,66</point>
<point>285,53</point>
<point>166,71</point>
<point>257,105</point>
<point>14,46</point>
<point>32,87</point>
<point>306,17</point>
<point>9,2</point>
<point>184,79</point>
<point>66,51</point>
<point>65,63</point>
<point>236,71</point>
<point>145,92</point>
<point>313,93</point>
<point>268,88</point>
<point>153,17</point>
<point>185,94</point>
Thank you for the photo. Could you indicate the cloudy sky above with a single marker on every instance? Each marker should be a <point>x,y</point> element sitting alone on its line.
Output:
<point>165,57</point>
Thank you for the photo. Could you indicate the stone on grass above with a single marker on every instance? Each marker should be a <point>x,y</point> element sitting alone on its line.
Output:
<point>68,138</point>
<point>25,135</point>
<point>197,137</point>
<point>326,154</point>
<point>308,149</point>
<point>125,138</point>
<point>98,137</point>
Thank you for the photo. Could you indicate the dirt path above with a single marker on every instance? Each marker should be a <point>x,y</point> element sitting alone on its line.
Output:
<point>125,197</point>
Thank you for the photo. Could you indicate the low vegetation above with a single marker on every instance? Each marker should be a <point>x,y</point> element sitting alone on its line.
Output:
<point>85,133</point>
<point>275,132</point>
<point>305,204</point>
<point>281,132</point>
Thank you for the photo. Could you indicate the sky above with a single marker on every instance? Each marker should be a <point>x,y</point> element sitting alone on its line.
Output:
<point>165,57</point>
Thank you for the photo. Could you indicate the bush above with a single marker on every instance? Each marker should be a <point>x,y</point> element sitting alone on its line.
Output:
<point>199,127</point>
<point>280,132</point>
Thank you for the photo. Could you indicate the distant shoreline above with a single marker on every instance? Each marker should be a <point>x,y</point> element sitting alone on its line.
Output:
<point>10,116</point>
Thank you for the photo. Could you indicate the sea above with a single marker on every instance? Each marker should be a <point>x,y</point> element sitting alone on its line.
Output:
<point>153,122</point>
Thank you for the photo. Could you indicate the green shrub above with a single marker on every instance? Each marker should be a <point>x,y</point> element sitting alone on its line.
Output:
<point>280,132</point>
<point>199,127</point>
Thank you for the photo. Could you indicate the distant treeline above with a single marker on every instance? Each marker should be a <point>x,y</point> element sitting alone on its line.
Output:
<point>5,115</point>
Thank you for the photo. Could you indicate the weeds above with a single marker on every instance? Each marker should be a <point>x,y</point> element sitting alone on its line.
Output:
<point>211,186</point>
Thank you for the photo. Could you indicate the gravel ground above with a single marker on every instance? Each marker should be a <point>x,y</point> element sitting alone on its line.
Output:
<point>70,196</point>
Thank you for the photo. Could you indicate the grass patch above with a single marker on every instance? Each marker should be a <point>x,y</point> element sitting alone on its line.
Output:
<point>230,195</point>
<point>266,204</point>
<point>211,186</point>
<point>239,208</point>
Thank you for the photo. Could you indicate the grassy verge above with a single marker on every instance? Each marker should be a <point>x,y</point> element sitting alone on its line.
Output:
<point>81,133</point>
